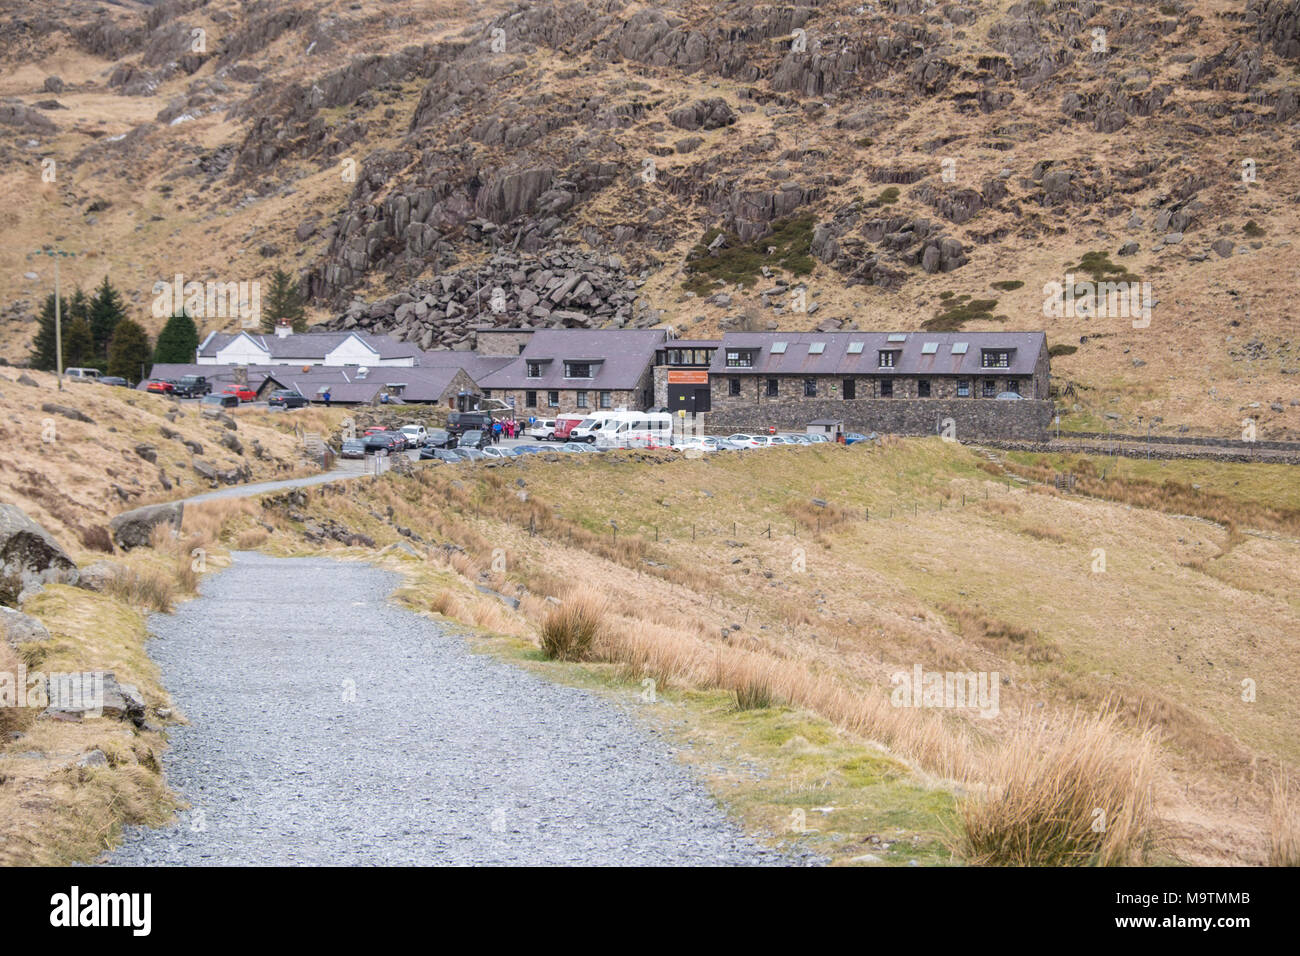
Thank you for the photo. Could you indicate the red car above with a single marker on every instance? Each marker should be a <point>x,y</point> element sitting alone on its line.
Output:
<point>241,392</point>
<point>160,387</point>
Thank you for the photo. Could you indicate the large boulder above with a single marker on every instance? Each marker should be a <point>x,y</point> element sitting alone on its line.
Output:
<point>18,628</point>
<point>29,556</point>
<point>133,529</point>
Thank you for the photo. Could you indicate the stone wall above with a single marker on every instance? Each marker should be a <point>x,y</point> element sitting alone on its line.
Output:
<point>505,342</point>
<point>1026,420</point>
<point>568,398</point>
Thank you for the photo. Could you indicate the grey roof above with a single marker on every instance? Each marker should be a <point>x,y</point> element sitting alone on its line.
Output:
<point>220,376</point>
<point>422,384</point>
<point>835,359</point>
<point>309,345</point>
<point>476,366</point>
<point>621,356</point>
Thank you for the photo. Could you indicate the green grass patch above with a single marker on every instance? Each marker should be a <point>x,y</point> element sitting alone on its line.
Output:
<point>956,311</point>
<point>1098,265</point>
<point>1058,350</point>
<point>741,263</point>
<point>1007,285</point>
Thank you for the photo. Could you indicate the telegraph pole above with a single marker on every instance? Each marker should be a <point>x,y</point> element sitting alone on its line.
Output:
<point>56,255</point>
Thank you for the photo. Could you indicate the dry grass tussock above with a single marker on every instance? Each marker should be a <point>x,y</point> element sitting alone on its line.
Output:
<point>1074,791</point>
<point>1284,825</point>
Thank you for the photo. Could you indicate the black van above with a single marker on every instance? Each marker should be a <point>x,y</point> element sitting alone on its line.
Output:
<point>458,422</point>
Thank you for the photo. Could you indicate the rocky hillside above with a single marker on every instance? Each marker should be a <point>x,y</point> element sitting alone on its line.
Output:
<point>426,167</point>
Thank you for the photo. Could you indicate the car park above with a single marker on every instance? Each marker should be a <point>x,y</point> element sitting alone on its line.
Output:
<point>496,451</point>
<point>286,398</point>
<point>219,401</point>
<point>449,455</point>
<point>819,439</point>
<point>353,448</point>
<point>242,392</point>
<point>852,438</point>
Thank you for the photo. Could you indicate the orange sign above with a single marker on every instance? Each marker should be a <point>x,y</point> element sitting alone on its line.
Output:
<point>681,377</point>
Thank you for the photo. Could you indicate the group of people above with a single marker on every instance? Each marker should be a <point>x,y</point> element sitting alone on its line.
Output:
<point>506,428</point>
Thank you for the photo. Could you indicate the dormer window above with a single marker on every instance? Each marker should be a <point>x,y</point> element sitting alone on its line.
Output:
<point>577,369</point>
<point>534,369</point>
<point>740,358</point>
<point>888,357</point>
<point>995,358</point>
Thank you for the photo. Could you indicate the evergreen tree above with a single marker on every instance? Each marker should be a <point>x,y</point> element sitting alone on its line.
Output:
<point>129,354</point>
<point>284,301</point>
<point>78,343</point>
<point>44,354</point>
<point>178,341</point>
<point>106,310</point>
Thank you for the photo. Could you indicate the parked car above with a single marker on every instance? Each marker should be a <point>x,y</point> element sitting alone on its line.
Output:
<point>242,392</point>
<point>353,448</point>
<point>161,386</point>
<point>573,446</point>
<point>286,398</point>
<point>448,455</point>
<point>219,401</point>
<point>415,434</point>
<point>496,451</point>
<point>439,438</point>
<point>474,438</point>
<point>741,440</point>
<point>1010,397</point>
<point>470,454</point>
<point>192,386</point>
<point>460,422</point>
<point>543,429</point>
<point>852,438</point>
<point>819,438</point>
<point>82,374</point>
<point>386,442</point>
<point>528,449</point>
<point>113,380</point>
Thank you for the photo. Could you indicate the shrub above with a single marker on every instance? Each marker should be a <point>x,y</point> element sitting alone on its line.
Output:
<point>95,537</point>
<point>754,692</point>
<point>1253,229</point>
<point>150,589</point>
<point>571,629</point>
<point>1008,285</point>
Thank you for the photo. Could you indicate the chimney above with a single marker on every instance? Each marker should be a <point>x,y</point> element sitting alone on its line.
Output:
<point>283,330</point>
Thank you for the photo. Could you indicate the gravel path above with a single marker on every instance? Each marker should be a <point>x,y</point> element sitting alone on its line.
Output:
<point>444,756</point>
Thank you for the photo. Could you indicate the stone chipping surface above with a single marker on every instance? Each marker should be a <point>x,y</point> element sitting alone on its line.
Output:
<point>443,757</point>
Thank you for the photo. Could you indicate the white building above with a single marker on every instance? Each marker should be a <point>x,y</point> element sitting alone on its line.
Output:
<point>306,348</point>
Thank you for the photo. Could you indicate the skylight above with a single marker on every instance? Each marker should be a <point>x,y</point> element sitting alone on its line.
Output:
<point>959,348</point>
<point>898,336</point>
<point>855,348</point>
<point>816,348</point>
<point>778,348</point>
<point>929,348</point>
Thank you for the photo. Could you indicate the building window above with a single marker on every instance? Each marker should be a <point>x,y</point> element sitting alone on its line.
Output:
<point>740,359</point>
<point>810,388</point>
<point>487,393</point>
<point>850,388</point>
<point>773,390</point>
<point>1013,386</point>
<point>530,399</point>
<point>922,388</point>
<point>886,388</point>
<point>534,369</point>
<point>990,359</point>
<point>582,399</point>
<point>733,386</point>
<point>990,388</point>
<point>887,358</point>
<point>553,399</point>
<point>577,370</point>
<point>605,400</point>
<point>963,388</point>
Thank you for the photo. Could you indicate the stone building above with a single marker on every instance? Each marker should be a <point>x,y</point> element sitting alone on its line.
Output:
<point>572,370</point>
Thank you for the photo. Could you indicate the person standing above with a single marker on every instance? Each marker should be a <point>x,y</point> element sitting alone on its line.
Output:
<point>327,398</point>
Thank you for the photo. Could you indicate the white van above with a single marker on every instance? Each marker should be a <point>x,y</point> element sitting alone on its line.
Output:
<point>590,427</point>
<point>636,430</point>
<point>82,374</point>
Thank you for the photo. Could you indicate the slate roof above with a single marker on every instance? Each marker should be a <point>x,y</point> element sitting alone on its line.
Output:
<point>309,345</point>
<point>476,366</point>
<point>422,384</point>
<point>621,356</point>
<point>835,359</point>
